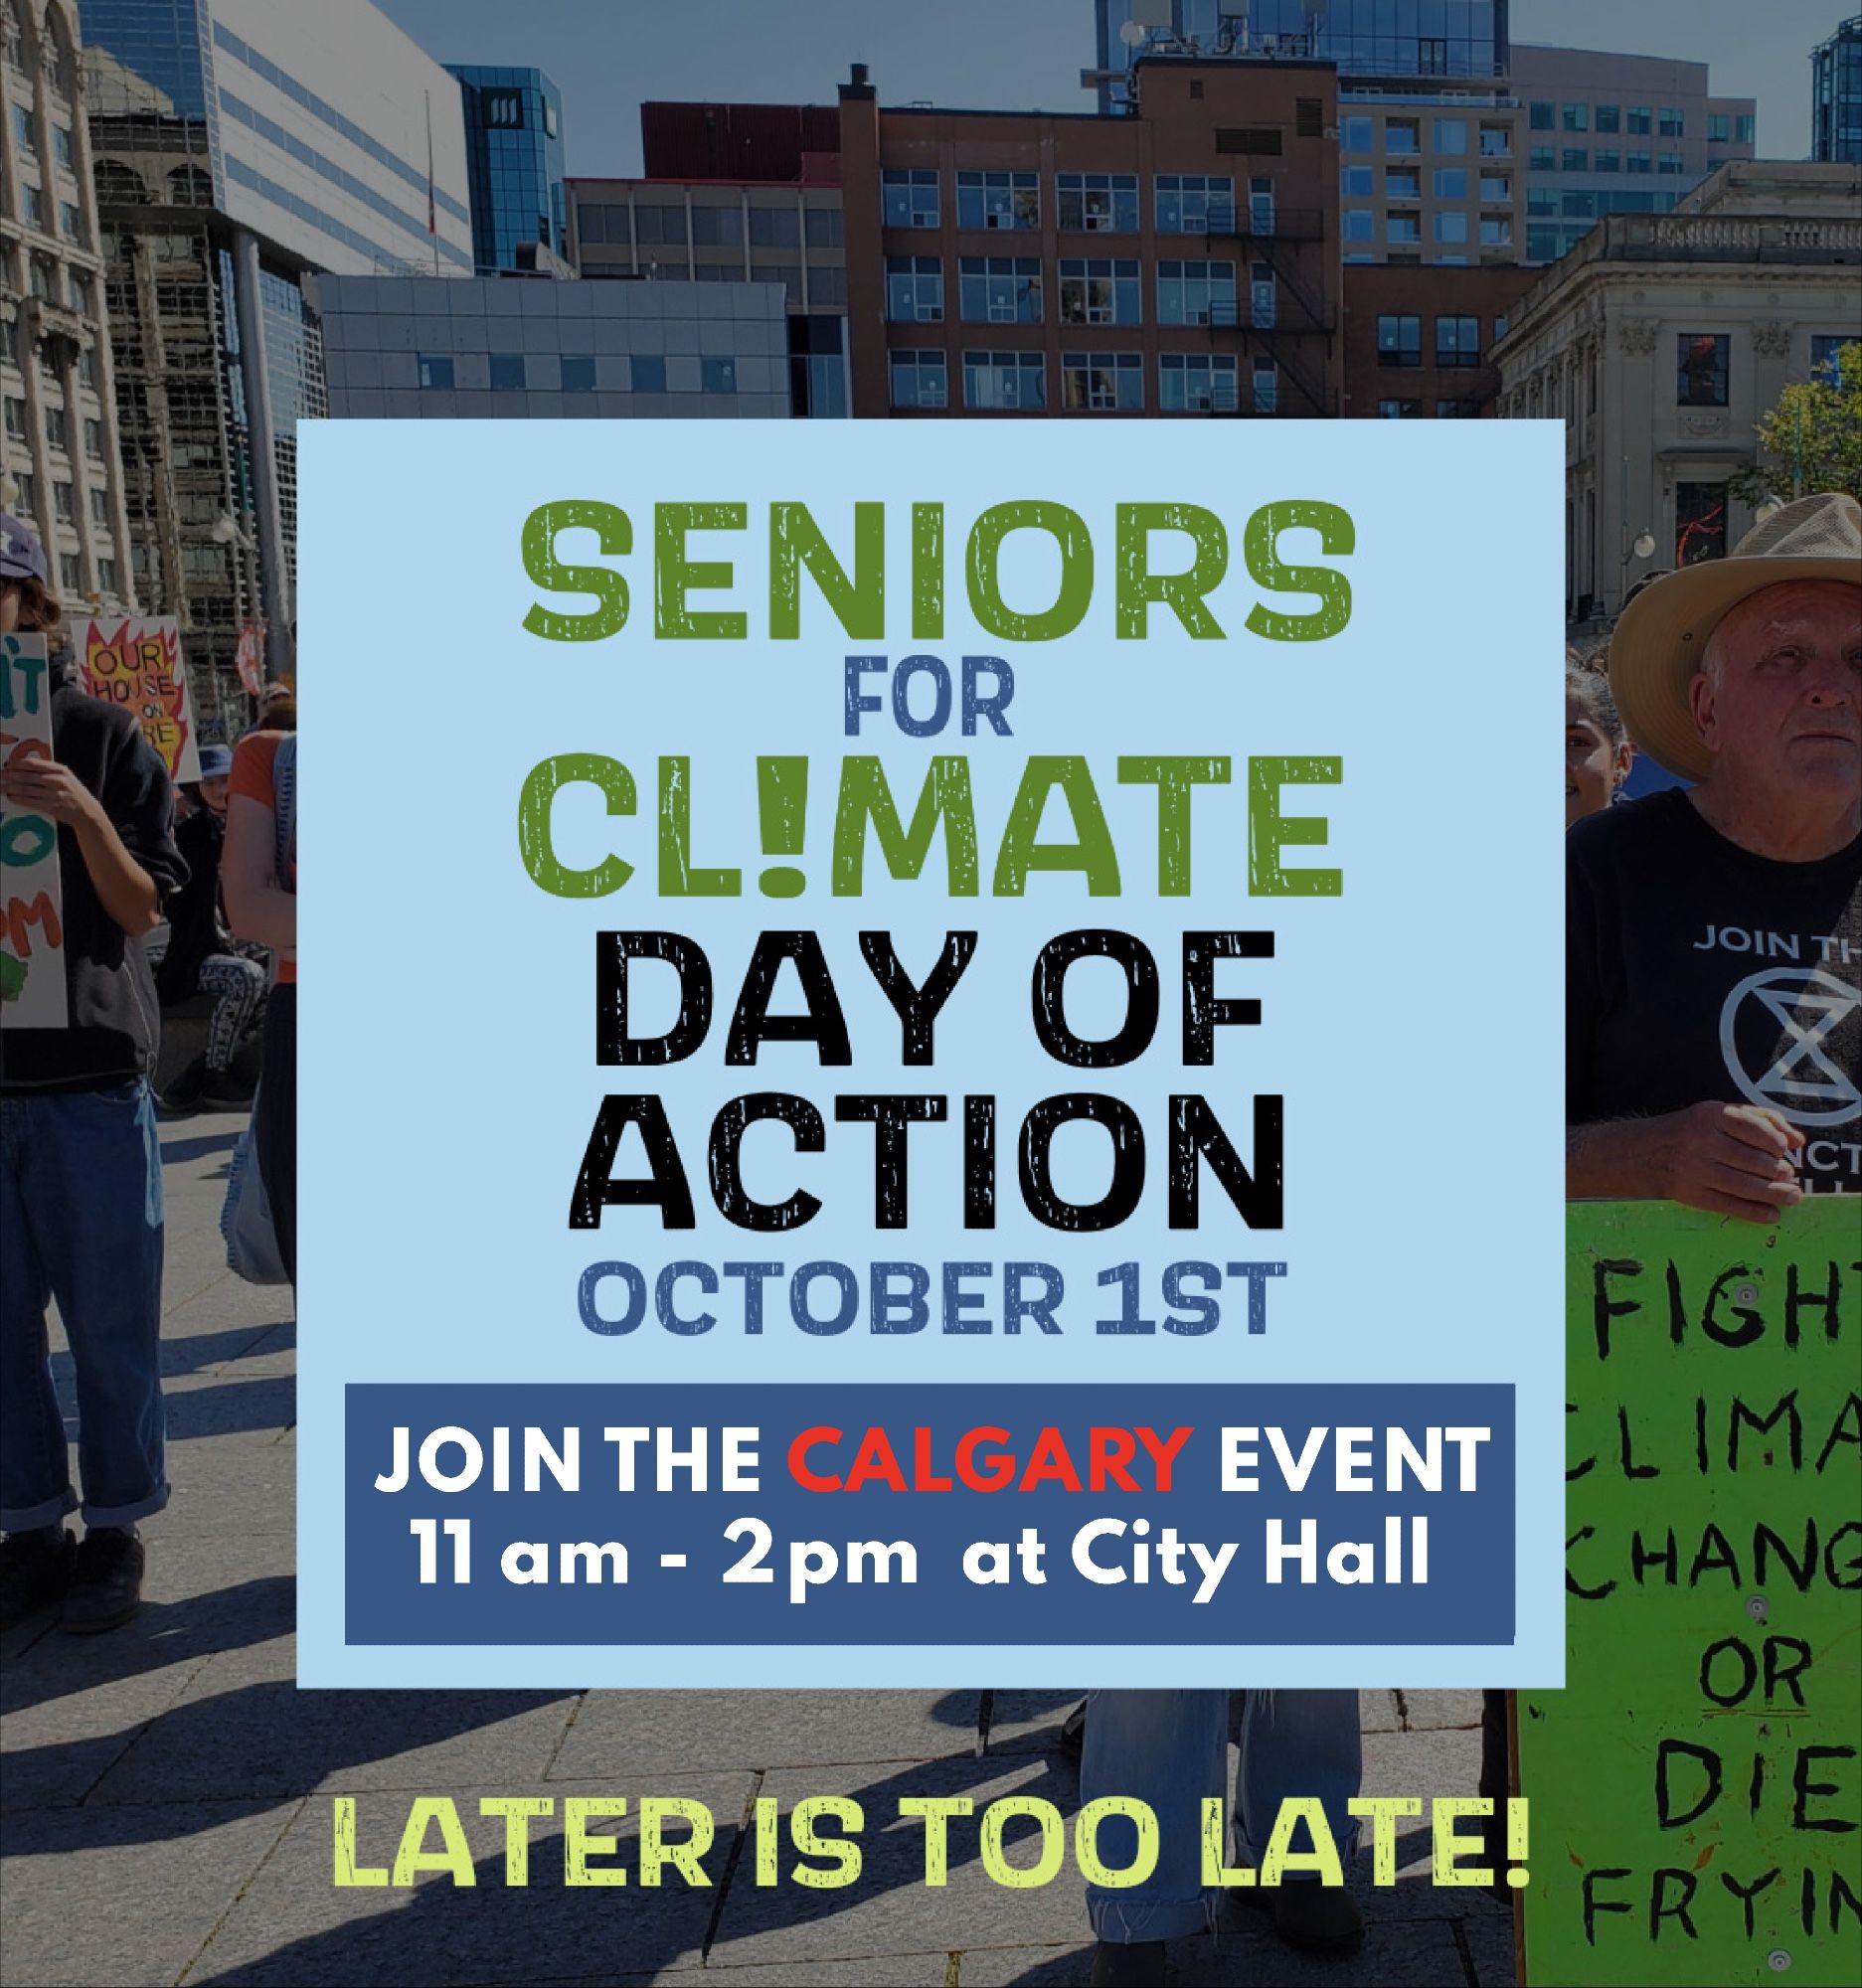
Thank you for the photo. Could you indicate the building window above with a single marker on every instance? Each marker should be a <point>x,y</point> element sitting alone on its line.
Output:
<point>32,201</point>
<point>775,228</point>
<point>71,222</point>
<point>1543,116</point>
<point>915,290</point>
<point>717,376</point>
<point>1267,387</point>
<point>1450,182</point>
<point>1641,120</point>
<point>578,373</point>
<point>1101,291</point>
<point>1607,162</point>
<point>1673,123</point>
<point>1399,411</point>
<point>822,228</point>
<point>93,436</point>
<point>1638,162</point>
<point>1701,369</point>
<point>716,228</point>
<point>1451,135</point>
<point>1826,356</point>
<point>106,577</point>
<point>659,227</point>
<point>1402,138</point>
<point>1403,226</point>
<point>648,374</point>
<point>64,501</point>
<point>919,379</point>
<point>1699,522</point>
<point>1495,186</point>
<point>70,574</point>
<point>1576,160</point>
<point>911,196</point>
<point>1357,182</point>
<point>999,380</point>
<point>1580,206</point>
<point>999,289</point>
<point>1718,127</point>
<point>1609,117</point>
<point>606,223</point>
<point>1355,134</point>
<point>1542,244</point>
<point>1499,326</point>
<point>1194,203</point>
<point>1431,54</point>
<point>1576,117</point>
<point>1457,341</point>
<point>1097,203</point>
<point>100,506</point>
<point>1496,230</point>
<point>1457,411</point>
<point>23,131</point>
<point>29,492</point>
<point>1496,141</point>
<point>1402,183</point>
<point>1197,382</point>
<point>507,373</point>
<point>1099,383</point>
<point>56,430</point>
<point>998,200</point>
<point>1399,341</point>
<point>1195,292</point>
<point>1452,224</point>
<point>1671,162</point>
<point>1744,128</point>
<point>1541,159</point>
<point>1541,200</point>
<point>827,285</point>
<point>435,369</point>
<point>62,149</point>
<point>1359,224</point>
<point>16,418</point>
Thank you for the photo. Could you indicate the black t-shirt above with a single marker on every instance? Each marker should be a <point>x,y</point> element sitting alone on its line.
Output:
<point>1695,970</point>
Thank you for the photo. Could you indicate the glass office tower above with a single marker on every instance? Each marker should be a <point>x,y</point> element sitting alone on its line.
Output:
<point>514,162</point>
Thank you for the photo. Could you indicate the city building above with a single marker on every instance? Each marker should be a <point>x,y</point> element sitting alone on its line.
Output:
<point>1179,259</point>
<point>58,458</point>
<point>1837,95</point>
<point>1617,134</point>
<point>732,193</point>
<point>487,347</point>
<point>235,146</point>
<point>513,162</point>
<point>1659,340</point>
<point>1379,38</point>
<point>1418,343</point>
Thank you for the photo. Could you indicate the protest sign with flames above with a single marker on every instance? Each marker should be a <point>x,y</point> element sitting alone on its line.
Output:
<point>139,664</point>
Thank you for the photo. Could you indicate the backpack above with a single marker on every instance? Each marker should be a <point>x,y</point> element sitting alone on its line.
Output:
<point>245,1215</point>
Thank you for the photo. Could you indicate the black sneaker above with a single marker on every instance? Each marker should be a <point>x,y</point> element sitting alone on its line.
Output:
<point>1137,1964</point>
<point>1308,1916</point>
<point>35,1567</point>
<point>106,1581</point>
<point>226,1090</point>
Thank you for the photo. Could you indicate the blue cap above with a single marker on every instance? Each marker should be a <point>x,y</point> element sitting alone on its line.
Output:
<point>22,557</point>
<point>215,761</point>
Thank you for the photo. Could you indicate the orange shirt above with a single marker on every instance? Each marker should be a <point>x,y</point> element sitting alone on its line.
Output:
<point>254,763</point>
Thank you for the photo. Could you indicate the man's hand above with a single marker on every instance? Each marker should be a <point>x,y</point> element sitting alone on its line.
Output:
<point>48,788</point>
<point>1727,1159</point>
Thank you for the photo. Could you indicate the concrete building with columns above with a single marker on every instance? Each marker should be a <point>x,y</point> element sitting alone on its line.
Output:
<point>237,147</point>
<point>1660,340</point>
<point>58,458</point>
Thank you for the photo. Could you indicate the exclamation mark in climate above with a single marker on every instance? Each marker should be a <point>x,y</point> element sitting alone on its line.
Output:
<point>1516,1830</point>
<point>782,809</point>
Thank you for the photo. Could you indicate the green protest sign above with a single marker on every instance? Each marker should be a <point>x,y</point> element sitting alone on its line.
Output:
<point>1694,1791</point>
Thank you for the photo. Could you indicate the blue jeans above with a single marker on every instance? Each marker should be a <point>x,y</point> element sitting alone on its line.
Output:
<point>1170,1749</point>
<point>80,1219</point>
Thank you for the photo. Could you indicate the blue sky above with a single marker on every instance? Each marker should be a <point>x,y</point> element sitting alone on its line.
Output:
<point>607,55</point>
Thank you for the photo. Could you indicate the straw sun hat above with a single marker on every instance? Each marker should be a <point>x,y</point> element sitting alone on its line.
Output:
<point>1661,639</point>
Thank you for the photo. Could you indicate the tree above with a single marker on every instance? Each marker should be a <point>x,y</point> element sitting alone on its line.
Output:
<point>1812,439</point>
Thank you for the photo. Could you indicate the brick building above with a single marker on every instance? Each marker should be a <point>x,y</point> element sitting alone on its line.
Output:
<point>1180,259</point>
<point>1417,341</point>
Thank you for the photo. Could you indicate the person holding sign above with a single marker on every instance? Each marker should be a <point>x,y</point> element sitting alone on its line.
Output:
<point>1714,940</point>
<point>80,1185</point>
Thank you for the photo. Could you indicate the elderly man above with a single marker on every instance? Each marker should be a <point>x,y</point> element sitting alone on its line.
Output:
<point>1714,969</point>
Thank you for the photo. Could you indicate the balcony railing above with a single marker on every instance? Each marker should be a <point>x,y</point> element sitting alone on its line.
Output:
<point>1252,221</point>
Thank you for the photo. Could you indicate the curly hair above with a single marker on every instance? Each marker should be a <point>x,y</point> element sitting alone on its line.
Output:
<point>1585,681</point>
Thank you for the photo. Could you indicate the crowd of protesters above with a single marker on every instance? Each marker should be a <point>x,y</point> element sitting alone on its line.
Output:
<point>1689,1077</point>
<point>152,911</point>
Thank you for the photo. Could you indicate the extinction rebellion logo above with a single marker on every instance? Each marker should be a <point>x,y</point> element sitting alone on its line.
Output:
<point>1803,1081</point>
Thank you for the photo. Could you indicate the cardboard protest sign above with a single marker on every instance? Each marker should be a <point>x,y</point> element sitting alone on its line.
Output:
<point>139,664</point>
<point>970,957</point>
<point>1693,1790</point>
<point>31,904</point>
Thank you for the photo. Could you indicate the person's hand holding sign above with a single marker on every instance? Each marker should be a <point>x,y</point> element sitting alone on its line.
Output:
<point>43,787</point>
<point>124,889</point>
